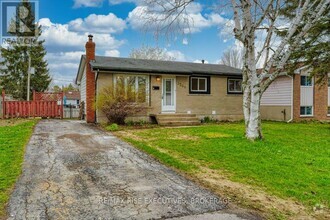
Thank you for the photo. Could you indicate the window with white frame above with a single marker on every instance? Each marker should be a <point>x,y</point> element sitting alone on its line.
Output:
<point>306,81</point>
<point>134,87</point>
<point>199,85</point>
<point>234,86</point>
<point>306,110</point>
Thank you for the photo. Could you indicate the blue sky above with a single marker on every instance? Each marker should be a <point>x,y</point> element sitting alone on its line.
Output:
<point>117,29</point>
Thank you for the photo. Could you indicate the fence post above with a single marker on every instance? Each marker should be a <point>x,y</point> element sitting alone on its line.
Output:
<point>3,104</point>
<point>62,96</point>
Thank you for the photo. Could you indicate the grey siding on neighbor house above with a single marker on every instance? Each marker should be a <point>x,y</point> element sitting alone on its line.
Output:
<point>279,93</point>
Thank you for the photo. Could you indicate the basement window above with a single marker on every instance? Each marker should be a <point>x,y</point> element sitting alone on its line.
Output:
<point>199,85</point>
<point>234,86</point>
<point>306,111</point>
<point>328,110</point>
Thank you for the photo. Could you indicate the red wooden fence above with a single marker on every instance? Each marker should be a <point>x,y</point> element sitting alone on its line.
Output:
<point>35,108</point>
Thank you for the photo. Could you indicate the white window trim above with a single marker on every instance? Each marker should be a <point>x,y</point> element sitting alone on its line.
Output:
<point>136,83</point>
<point>198,78</point>
<point>306,116</point>
<point>234,91</point>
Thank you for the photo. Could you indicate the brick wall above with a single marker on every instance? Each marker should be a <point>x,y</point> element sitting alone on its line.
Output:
<point>90,81</point>
<point>321,100</point>
<point>296,97</point>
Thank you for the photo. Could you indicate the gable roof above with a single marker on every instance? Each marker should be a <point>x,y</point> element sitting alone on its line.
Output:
<point>72,95</point>
<point>157,66</point>
<point>102,63</point>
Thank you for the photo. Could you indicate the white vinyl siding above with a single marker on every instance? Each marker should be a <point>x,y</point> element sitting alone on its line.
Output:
<point>306,96</point>
<point>279,93</point>
<point>83,88</point>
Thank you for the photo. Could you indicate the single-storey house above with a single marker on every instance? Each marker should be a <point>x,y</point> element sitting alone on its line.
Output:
<point>174,91</point>
<point>184,93</point>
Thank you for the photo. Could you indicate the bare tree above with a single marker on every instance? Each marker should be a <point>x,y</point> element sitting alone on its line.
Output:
<point>253,18</point>
<point>151,53</point>
<point>232,57</point>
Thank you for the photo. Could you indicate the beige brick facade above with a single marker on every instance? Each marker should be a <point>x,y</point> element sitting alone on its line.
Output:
<point>218,105</point>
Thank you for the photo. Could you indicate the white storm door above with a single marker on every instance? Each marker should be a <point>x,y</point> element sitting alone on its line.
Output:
<point>168,95</point>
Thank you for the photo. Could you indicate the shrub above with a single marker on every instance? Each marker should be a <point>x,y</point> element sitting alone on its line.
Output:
<point>120,103</point>
<point>112,127</point>
<point>207,119</point>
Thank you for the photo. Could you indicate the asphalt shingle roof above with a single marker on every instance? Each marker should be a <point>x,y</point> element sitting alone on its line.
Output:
<point>166,67</point>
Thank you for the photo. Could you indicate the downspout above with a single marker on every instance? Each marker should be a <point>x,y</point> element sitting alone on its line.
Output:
<point>291,119</point>
<point>96,77</point>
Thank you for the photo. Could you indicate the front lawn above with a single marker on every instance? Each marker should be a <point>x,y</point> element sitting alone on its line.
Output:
<point>14,135</point>
<point>293,162</point>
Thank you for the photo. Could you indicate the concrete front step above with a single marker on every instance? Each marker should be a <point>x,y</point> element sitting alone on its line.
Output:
<point>180,123</point>
<point>177,119</point>
<point>166,119</point>
<point>177,115</point>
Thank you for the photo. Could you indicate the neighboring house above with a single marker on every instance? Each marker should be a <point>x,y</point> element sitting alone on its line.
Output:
<point>296,98</point>
<point>71,98</point>
<point>170,88</point>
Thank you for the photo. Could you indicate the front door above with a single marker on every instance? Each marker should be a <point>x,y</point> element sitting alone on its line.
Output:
<point>168,95</point>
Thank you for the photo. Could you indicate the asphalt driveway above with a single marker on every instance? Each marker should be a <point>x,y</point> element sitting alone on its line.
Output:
<point>75,171</point>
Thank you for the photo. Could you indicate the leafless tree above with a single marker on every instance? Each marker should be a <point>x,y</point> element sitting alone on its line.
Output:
<point>232,57</point>
<point>252,19</point>
<point>150,53</point>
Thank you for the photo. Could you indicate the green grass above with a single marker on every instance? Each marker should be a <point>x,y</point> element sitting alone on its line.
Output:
<point>12,147</point>
<point>293,161</point>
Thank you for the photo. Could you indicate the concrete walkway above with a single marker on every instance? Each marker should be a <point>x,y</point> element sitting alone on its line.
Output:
<point>75,171</point>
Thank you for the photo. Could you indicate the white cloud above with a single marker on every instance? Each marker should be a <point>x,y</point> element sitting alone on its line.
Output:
<point>87,3</point>
<point>64,66</point>
<point>58,37</point>
<point>178,55</point>
<point>191,22</point>
<point>112,53</point>
<point>98,23</point>
<point>185,41</point>
<point>117,2</point>
<point>65,47</point>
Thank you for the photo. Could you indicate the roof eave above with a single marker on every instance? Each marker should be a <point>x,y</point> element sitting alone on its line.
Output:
<point>110,69</point>
<point>81,68</point>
